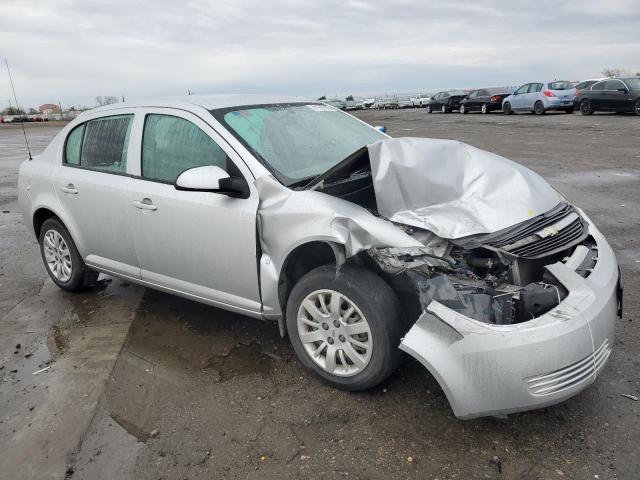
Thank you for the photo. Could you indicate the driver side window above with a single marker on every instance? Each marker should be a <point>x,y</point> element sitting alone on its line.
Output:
<point>171,145</point>
<point>522,89</point>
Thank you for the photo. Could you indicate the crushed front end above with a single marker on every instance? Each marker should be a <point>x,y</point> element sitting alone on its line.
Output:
<point>513,320</point>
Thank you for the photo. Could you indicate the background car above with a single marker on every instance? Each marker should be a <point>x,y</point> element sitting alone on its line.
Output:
<point>611,95</point>
<point>585,85</point>
<point>420,100</point>
<point>484,100</point>
<point>540,97</point>
<point>446,101</point>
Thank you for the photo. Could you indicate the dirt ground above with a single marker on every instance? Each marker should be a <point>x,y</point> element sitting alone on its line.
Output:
<point>142,385</point>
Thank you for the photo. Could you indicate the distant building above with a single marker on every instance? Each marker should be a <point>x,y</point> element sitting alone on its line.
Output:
<point>49,108</point>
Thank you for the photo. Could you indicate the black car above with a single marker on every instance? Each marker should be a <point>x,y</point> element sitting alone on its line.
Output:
<point>446,101</point>
<point>584,85</point>
<point>611,95</point>
<point>484,100</point>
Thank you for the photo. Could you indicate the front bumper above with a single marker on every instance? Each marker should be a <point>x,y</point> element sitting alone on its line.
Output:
<point>487,369</point>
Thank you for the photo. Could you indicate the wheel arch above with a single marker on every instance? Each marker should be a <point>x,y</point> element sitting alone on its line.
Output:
<point>40,216</point>
<point>300,260</point>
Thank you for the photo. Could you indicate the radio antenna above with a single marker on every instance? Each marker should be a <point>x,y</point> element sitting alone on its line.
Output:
<point>6,62</point>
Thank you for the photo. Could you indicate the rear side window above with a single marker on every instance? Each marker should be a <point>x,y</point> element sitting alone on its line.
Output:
<point>72,147</point>
<point>535,87</point>
<point>105,143</point>
<point>171,145</point>
<point>100,144</point>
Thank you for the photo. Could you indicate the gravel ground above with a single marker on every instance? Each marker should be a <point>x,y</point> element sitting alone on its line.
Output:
<point>145,385</point>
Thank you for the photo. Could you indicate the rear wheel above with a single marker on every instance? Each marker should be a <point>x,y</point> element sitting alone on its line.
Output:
<point>444,109</point>
<point>506,109</point>
<point>61,258</point>
<point>538,108</point>
<point>345,326</point>
<point>483,109</point>
<point>585,107</point>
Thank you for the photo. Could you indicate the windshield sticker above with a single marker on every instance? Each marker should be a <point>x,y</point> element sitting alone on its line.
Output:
<point>322,108</point>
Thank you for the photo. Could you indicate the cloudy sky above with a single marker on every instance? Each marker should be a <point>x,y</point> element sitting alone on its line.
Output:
<point>73,50</point>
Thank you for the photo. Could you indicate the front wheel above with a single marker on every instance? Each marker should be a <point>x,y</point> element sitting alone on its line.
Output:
<point>444,109</point>
<point>345,326</point>
<point>506,109</point>
<point>483,109</point>
<point>637,107</point>
<point>429,109</point>
<point>585,107</point>
<point>538,108</point>
<point>62,259</point>
<point>463,109</point>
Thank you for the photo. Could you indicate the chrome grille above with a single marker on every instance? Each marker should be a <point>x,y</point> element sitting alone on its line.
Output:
<point>574,374</point>
<point>547,234</point>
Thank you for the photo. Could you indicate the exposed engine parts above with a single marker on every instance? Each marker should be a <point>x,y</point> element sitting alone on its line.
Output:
<point>480,283</point>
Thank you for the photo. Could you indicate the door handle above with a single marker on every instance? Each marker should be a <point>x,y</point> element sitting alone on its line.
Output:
<point>144,204</point>
<point>70,188</point>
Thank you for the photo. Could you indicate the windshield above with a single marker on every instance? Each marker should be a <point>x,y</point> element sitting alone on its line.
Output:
<point>560,86</point>
<point>297,141</point>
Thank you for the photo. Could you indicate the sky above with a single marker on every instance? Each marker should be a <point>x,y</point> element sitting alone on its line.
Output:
<point>71,51</point>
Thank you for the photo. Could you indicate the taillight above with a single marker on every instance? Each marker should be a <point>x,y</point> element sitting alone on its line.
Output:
<point>577,92</point>
<point>495,98</point>
<point>547,93</point>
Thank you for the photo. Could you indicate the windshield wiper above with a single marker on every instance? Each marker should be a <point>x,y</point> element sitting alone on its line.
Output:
<point>336,169</point>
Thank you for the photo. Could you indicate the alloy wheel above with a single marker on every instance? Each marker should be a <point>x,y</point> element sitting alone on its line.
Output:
<point>444,109</point>
<point>334,333</point>
<point>57,256</point>
<point>638,107</point>
<point>483,109</point>
<point>463,110</point>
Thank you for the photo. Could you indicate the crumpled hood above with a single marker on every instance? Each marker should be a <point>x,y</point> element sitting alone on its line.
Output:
<point>453,189</point>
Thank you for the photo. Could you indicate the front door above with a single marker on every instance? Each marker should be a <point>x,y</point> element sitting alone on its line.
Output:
<point>91,184</point>
<point>201,244</point>
<point>518,97</point>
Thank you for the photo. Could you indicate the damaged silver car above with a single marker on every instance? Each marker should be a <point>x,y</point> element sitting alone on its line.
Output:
<point>359,245</point>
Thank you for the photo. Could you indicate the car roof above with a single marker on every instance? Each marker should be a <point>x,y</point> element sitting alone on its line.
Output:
<point>208,102</point>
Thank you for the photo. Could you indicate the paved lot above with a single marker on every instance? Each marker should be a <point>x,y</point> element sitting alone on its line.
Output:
<point>144,385</point>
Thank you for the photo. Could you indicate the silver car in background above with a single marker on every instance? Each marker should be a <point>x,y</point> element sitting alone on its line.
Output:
<point>540,97</point>
<point>360,246</point>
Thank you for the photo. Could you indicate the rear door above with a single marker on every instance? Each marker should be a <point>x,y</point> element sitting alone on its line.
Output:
<point>201,244</point>
<point>532,96</point>
<point>91,183</point>
<point>597,96</point>
<point>615,96</point>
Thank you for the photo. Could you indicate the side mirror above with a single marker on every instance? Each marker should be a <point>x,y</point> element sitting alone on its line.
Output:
<point>211,178</point>
<point>381,128</point>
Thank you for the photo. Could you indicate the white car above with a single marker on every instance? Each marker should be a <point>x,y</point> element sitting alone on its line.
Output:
<point>420,100</point>
<point>360,246</point>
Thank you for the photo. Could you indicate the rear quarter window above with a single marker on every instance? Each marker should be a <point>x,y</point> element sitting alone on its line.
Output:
<point>72,146</point>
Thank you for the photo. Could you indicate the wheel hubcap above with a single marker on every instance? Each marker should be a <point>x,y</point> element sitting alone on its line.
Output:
<point>57,256</point>
<point>484,109</point>
<point>334,333</point>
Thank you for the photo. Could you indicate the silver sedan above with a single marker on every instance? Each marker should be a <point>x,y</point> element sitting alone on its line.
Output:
<point>360,246</point>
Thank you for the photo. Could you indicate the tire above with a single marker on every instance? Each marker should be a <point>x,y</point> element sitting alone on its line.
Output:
<point>636,107</point>
<point>375,304</point>
<point>483,109</point>
<point>585,107</point>
<point>506,109</point>
<point>463,109</point>
<point>568,110</point>
<point>538,108</point>
<point>429,109</point>
<point>55,240</point>
<point>444,109</point>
